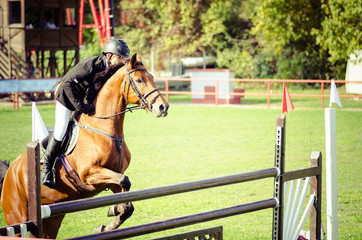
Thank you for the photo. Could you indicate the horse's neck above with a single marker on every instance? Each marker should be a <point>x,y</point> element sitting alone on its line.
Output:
<point>108,102</point>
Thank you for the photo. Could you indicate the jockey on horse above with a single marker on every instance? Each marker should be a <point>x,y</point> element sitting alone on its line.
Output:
<point>77,86</point>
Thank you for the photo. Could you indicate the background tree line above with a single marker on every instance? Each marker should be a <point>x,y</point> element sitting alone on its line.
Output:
<point>297,39</point>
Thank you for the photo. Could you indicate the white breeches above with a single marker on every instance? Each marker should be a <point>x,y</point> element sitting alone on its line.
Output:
<point>62,115</point>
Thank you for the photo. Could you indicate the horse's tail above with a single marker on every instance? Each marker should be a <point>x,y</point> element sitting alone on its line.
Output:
<point>4,166</point>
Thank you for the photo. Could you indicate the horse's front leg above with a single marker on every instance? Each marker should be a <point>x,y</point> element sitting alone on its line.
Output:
<point>121,212</point>
<point>100,175</point>
<point>125,209</point>
<point>119,183</point>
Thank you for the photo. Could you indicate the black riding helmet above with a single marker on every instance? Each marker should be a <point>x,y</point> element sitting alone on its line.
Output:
<point>118,47</point>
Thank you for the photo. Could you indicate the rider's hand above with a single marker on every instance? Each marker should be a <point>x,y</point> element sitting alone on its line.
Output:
<point>87,108</point>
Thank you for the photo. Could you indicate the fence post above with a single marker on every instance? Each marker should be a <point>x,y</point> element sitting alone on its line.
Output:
<point>16,100</point>
<point>34,203</point>
<point>322,93</point>
<point>278,181</point>
<point>316,188</point>
<point>166,89</point>
<point>217,93</point>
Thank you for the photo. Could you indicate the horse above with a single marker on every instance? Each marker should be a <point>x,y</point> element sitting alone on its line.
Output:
<point>98,159</point>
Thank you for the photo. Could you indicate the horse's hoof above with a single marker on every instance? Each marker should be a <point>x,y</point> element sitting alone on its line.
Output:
<point>125,209</point>
<point>99,229</point>
<point>126,184</point>
<point>112,211</point>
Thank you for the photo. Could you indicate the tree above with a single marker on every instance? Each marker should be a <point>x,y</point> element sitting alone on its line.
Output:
<point>220,28</point>
<point>341,31</point>
<point>258,39</point>
<point>323,33</point>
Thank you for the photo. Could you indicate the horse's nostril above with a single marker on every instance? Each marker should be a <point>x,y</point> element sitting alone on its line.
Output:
<point>163,108</point>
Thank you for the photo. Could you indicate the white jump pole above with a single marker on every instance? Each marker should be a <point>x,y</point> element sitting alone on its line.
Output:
<point>286,186</point>
<point>293,208</point>
<point>287,213</point>
<point>299,208</point>
<point>304,217</point>
<point>331,173</point>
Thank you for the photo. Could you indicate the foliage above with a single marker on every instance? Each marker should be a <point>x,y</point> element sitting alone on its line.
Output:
<point>341,32</point>
<point>191,27</point>
<point>283,29</point>
<point>281,22</point>
<point>321,35</point>
<point>91,47</point>
<point>247,61</point>
<point>257,39</point>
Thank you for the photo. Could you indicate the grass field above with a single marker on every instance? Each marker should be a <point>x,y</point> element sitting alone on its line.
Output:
<point>196,142</point>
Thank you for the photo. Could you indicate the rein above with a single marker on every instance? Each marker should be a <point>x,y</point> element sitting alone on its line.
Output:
<point>129,109</point>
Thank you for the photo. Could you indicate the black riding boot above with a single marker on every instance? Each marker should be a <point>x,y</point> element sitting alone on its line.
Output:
<point>47,175</point>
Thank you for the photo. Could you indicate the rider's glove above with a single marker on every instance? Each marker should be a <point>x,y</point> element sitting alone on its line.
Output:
<point>87,108</point>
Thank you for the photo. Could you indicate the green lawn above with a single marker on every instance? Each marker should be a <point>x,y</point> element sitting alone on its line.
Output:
<point>196,142</point>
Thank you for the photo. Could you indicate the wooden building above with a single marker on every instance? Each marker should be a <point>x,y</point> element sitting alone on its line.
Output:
<point>38,35</point>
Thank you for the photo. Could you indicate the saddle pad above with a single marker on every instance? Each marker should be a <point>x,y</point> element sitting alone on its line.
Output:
<point>68,143</point>
<point>73,134</point>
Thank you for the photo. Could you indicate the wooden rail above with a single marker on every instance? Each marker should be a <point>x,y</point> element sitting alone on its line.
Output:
<point>137,195</point>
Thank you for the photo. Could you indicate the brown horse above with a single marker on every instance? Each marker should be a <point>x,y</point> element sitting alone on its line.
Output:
<point>96,157</point>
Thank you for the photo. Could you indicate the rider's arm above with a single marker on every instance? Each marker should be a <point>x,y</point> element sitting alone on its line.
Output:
<point>77,80</point>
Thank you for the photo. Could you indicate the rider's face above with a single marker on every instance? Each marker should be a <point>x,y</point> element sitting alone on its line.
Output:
<point>115,59</point>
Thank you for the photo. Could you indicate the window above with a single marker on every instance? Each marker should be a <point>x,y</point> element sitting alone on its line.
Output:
<point>51,18</point>
<point>32,18</point>
<point>14,12</point>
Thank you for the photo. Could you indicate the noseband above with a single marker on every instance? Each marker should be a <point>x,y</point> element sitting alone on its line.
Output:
<point>143,98</point>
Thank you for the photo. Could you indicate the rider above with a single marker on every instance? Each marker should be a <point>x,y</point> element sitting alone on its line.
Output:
<point>70,97</point>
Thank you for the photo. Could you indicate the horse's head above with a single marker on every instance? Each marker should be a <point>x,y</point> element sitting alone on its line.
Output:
<point>140,88</point>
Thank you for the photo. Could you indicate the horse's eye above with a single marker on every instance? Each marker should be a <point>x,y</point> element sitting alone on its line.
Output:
<point>139,80</point>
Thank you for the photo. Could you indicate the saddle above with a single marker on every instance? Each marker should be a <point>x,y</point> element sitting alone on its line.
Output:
<point>67,146</point>
<point>68,143</point>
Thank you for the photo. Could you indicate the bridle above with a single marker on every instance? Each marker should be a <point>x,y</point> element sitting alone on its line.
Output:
<point>143,98</point>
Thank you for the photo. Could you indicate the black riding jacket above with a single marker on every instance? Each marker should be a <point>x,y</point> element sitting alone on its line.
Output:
<point>73,88</point>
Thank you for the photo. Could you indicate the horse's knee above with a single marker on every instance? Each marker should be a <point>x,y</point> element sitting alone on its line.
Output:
<point>123,209</point>
<point>126,184</point>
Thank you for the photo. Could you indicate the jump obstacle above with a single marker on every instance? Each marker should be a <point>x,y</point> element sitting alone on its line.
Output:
<point>285,222</point>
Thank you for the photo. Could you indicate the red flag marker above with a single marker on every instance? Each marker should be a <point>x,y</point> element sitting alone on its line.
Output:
<point>287,104</point>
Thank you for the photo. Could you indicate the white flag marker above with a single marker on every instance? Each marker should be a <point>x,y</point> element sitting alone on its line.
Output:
<point>39,131</point>
<point>334,98</point>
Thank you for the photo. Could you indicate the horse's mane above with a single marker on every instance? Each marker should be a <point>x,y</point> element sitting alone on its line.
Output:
<point>99,80</point>
<point>4,165</point>
<point>102,77</point>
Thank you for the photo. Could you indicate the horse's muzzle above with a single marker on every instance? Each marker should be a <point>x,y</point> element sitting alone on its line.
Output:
<point>160,109</point>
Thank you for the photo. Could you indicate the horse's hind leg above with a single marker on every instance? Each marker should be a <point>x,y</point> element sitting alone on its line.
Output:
<point>122,212</point>
<point>51,226</point>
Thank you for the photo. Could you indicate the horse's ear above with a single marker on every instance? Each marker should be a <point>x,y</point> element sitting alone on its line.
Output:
<point>133,60</point>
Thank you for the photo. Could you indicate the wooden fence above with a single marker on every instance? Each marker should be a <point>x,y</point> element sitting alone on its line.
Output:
<point>268,93</point>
